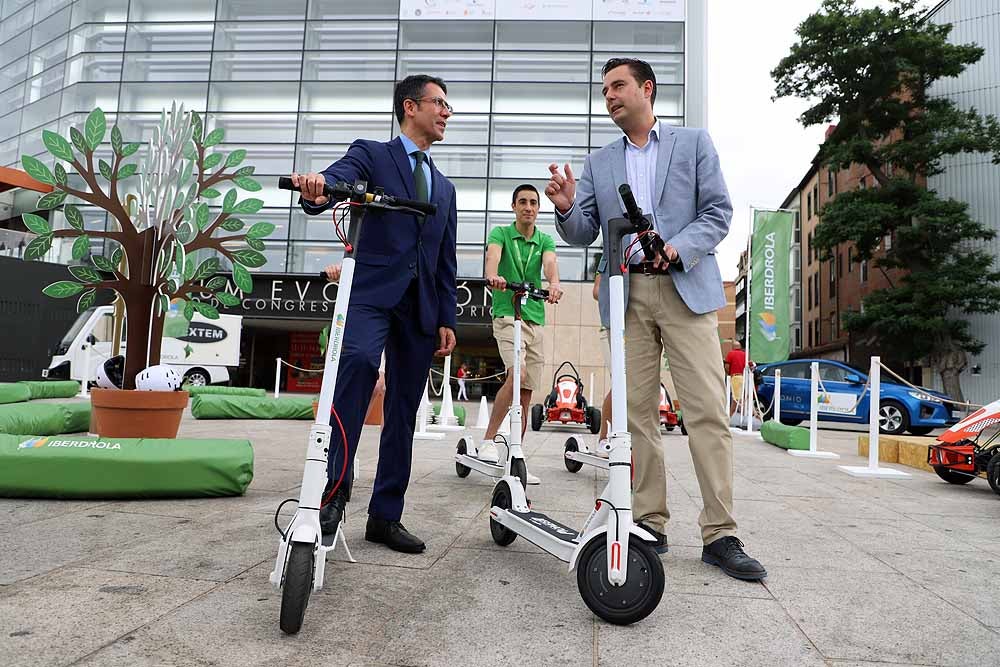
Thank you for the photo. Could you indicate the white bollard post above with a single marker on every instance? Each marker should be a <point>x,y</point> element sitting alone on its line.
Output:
<point>446,418</point>
<point>813,452</point>
<point>277,377</point>
<point>483,419</point>
<point>590,400</point>
<point>751,398</point>
<point>873,469</point>
<point>729,392</point>
<point>777,395</point>
<point>84,392</point>
<point>423,417</point>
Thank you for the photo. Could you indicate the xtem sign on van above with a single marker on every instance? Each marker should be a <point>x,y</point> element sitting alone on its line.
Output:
<point>202,332</point>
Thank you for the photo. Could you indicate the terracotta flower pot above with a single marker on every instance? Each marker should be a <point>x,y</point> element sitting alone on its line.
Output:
<point>374,414</point>
<point>137,414</point>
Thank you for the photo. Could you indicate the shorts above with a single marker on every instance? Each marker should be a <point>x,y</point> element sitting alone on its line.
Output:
<point>736,382</point>
<point>532,342</point>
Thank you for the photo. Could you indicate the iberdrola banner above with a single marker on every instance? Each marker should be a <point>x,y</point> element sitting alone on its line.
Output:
<point>769,285</point>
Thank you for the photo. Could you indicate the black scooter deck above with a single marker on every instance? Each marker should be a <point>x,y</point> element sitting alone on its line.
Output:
<point>550,526</point>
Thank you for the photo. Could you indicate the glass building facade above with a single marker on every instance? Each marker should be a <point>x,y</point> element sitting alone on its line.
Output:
<point>294,82</point>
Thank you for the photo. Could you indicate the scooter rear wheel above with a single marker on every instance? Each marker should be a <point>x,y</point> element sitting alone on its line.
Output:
<point>571,465</point>
<point>296,588</point>
<point>502,499</point>
<point>461,470</point>
<point>632,601</point>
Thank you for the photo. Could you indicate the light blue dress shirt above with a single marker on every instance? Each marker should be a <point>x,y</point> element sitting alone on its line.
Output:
<point>410,148</point>
<point>640,170</point>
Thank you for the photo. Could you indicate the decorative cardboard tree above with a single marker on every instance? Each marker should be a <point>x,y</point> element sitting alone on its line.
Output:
<point>153,264</point>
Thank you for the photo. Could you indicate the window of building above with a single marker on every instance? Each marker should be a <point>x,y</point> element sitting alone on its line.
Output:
<point>810,333</point>
<point>850,260</point>
<point>798,228</point>
<point>833,278</point>
<point>831,183</point>
<point>798,338</point>
<point>809,294</point>
<point>862,183</point>
<point>809,205</point>
<point>887,241</point>
<point>833,326</point>
<point>840,265</point>
<point>816,198</point>
<point>864,271</point>
<point>809,248</point>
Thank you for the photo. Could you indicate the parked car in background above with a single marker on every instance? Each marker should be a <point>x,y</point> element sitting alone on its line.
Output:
<point>901,408</point>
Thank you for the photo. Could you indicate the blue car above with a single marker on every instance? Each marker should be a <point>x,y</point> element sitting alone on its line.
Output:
<point>901,408</point>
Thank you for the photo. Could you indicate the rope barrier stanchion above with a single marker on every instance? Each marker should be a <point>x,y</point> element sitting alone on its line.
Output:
<point>813,452</point>
<point>873,469</point>
<point>84,390</point>
<point>776,399</point>
<point>729,392</point>
<point>277,377</point>
<point>423,418</point>
<point>483,419</point>
<point>446,420</point>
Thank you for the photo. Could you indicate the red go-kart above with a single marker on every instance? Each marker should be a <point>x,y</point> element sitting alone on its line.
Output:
<point>669,419</point>
<point>566,404</point>
<point>969,449</point>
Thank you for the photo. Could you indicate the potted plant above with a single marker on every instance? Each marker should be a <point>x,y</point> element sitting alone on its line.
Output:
<point>165,251</point>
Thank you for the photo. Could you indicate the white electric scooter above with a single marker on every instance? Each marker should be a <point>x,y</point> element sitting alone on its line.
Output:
<point>512,461</point>
<point>618,572</point>
<point>301,560</point>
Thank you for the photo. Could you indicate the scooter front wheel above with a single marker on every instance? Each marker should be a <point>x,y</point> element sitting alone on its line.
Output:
<point>571,446</point>
<point>502,499</point>
<point>461,470</point>
<point>632,601</point>
<point>297,586</point>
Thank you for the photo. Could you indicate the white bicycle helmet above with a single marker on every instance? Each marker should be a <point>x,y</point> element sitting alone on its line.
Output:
<point>111,374</point>
<point>158,378</point>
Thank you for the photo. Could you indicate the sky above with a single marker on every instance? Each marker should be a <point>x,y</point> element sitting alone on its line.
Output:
<point>763,148</point>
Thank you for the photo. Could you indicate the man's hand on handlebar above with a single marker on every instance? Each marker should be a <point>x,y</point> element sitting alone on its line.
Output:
<point>671,254</point>
<point>311,187</point>
<point>496,282</point>
<point>555,293</point>
<point>333,272</point>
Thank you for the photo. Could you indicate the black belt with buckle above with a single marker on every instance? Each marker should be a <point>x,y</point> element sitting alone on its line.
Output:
<point>649,269</point>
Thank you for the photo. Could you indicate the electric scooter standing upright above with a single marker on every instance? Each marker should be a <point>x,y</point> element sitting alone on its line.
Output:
<point>512,465</point>
<point>301,560</point>
<point>618,573</point>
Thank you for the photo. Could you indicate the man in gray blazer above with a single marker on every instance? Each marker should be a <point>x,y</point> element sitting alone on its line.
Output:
<point>674,174</point>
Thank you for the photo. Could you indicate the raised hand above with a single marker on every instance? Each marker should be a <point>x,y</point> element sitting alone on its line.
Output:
<point>561,189</point>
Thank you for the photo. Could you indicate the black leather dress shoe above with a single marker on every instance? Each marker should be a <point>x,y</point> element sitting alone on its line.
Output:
<point>660,545</point>
<point>332,513</point>
<point>727,552</point>
<point>393,535</point>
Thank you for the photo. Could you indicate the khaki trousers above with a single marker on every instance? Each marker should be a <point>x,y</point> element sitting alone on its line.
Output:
<point>656,319</point>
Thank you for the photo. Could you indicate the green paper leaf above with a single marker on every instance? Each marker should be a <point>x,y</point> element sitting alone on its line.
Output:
<point>38,247</point>
<point>229,201</point>
<point>248,206</point>
<point>227,299</point>
<point>164,303</point>
<point>51,200</point>
<point>190,151</point>
<point>232,225</point>
<point>172,285</point>
<point>188,310</point>
<point>247,183</point>
<point>62,289</point>
<point>206,310</point>
<point>201,215</point>
<point>235,158</point>
<point>105,169</point>
<point>116,140</point>
<point>129,149</point>
<point>86,300</point>
<point>214,137</point>
<point>185,232</point>
<point>36,224</point>
<point>250,258</point>
<point>95,128</point>
<point>216,283</point>
<point>85,274</point>
<point>116,256</point>
<point>196,126</point>
<point>79,141</point>
<point>207,268</point>
<point>245,171</point>
<point>242,279</point>
<point>57,145</point>
<point>189,269</point>
<point>212,160</point>
<point>126,170</point>
<point>102,263</point>
<point>210,193</point>
<point>81,247</point>
<point>256,244</point>
<point>73,216</point>
<point>260,230</point>
<point>37,170</point>
<point>60,172</point>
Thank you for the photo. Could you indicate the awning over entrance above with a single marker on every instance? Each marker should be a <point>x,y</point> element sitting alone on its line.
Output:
<point>15,178</point>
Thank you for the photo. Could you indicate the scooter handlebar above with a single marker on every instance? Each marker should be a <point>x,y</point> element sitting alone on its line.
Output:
<point>529,289</point>
<point>341,191</point>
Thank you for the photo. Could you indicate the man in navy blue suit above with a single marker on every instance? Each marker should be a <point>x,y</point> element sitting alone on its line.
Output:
<point>402,300</point>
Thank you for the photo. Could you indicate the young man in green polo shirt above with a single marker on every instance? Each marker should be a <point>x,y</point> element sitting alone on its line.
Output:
<point>519,253</point>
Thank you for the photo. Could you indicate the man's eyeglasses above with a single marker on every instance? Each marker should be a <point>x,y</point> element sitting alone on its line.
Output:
<point>438,102</point>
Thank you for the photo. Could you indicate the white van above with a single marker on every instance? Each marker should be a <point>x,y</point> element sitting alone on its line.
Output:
<point>201,354</point>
